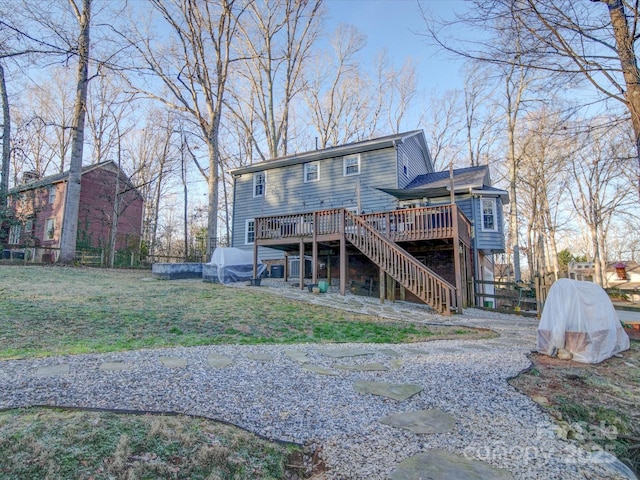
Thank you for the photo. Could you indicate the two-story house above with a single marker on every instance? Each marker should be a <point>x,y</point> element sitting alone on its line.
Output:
<point>374,213</point>
<point>38,212</point>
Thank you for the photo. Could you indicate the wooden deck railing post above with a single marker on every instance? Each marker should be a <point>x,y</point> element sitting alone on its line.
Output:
<point>456,255</point>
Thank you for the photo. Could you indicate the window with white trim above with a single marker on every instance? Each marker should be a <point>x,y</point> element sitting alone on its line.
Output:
<point>351,165</point>
<point>50,229</point>
<point>489,214</point>
<point>28,225</point>
<point>14,234</point>
<point>249,231</point>
<point>311,172</point>
<point>259,184</point>
<point>52,194</point>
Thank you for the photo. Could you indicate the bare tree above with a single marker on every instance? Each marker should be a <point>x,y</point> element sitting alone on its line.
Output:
<point>6,138</point>
<point>72,202</point>
<point>599,190</point>
<point>194,68</point>
<point>593,41</point>
<point>276,40</point>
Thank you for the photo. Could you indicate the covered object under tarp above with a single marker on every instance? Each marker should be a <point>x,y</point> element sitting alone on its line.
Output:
<point>579,317</point>
<point>229,264</point>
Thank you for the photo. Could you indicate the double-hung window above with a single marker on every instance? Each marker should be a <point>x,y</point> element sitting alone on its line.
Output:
<point>489,214</point>
<point>14,234</point>
<point>249,231</point>
<point>50,229</point>
<point>52,194</point>
<point>311,172</point>
<point>351,165</point>
<point>259,184</point>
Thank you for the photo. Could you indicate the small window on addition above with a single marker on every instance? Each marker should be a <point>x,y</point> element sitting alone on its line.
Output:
<point>489,220</point>
<point>50,229</point>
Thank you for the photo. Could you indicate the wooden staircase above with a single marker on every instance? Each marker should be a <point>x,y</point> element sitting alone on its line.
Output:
<point>432,289</point>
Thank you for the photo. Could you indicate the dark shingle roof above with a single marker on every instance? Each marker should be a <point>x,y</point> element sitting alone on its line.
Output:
<point>469,175</point>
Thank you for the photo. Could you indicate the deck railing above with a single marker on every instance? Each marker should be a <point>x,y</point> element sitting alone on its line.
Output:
<point>400,264</point>
<point>424,223</point>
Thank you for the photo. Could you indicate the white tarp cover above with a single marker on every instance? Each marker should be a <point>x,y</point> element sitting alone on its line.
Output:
<point>234,264</point>
<point>579,317</point>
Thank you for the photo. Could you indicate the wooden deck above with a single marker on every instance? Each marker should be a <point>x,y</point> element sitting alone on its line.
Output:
<point>413,224</point>
<point>379,236</point>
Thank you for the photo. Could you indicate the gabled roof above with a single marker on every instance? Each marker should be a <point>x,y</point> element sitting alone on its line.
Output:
<point>471,176</point>
<point>331,152</point>
<point>438,184</point>
<point>61,177</point>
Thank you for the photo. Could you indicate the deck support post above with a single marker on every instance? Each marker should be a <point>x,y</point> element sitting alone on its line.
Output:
<point>255,259</point>
<point>314,261</point>
<point>343,265</point>
<point>286,267</point>
<point>302,262</point>
<point>391,288</point>
<point>383,288</point>
<point>456,257</point>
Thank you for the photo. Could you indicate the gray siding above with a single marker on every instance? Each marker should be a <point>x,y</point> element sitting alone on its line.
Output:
<point>286,192</point>
<point>418,161</point>
<point>489,241</point>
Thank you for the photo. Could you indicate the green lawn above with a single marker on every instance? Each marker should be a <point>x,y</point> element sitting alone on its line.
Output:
<point>55,310</point>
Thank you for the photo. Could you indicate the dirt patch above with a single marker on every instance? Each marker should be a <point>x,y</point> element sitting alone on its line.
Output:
<point>594,405</point>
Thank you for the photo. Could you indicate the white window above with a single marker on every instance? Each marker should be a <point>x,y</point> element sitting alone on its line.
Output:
<point>259,184</point>
<point>28,225</point>
<point>52,194</point>
<point>311,172</point>
<point>351,165</point>
<point>249,231</point>
<point>14,234</point>
<point>50,229</point>
<point>489,217</point>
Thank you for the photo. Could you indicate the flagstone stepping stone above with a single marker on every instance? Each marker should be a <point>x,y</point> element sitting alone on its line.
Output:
<point>365,367</point>
<point>299,357</point>
<point>390,352</point>
<point>114,366</point>
<point>417,351</point>
<point>53,370</point>
<point>396,363</point>
<point>422,421</point>
<point>218,361</point>
<point>319,369</point>
<point>173,362</point>
<point>444,465</point>
<point>396,391</point>
<point>260,357</point>
<point>347,352</point>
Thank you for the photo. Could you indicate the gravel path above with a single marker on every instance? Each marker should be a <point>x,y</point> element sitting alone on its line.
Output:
<point>270,391</point>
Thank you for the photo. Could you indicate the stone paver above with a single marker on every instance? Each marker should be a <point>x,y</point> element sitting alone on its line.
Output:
<point>53,370</point>
<point>319,369</point>
<point>114,366</point>
<point>218,361</point>
<point>298,356</point>
<point>365,367</point>
<point>443,465</point>
<point>173,362</point>
<point>421,421</point>
<point>396,391</point>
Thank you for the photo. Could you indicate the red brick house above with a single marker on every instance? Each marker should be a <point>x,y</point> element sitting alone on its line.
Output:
<point>38,211</point>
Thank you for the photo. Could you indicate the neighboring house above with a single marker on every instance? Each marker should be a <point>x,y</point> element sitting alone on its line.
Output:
<point>38,208</point>
<point>374,214</point>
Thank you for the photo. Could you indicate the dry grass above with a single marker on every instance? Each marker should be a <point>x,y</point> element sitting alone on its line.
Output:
<point>56,310</point>
<point>59,444</point>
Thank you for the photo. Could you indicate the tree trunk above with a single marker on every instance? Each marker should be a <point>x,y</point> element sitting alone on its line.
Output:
<point>624,45</point>
<point>6,138</point>
<point>72,202</point>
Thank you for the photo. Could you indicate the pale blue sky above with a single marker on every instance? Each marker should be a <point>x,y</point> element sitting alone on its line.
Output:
<point>392,24</point>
